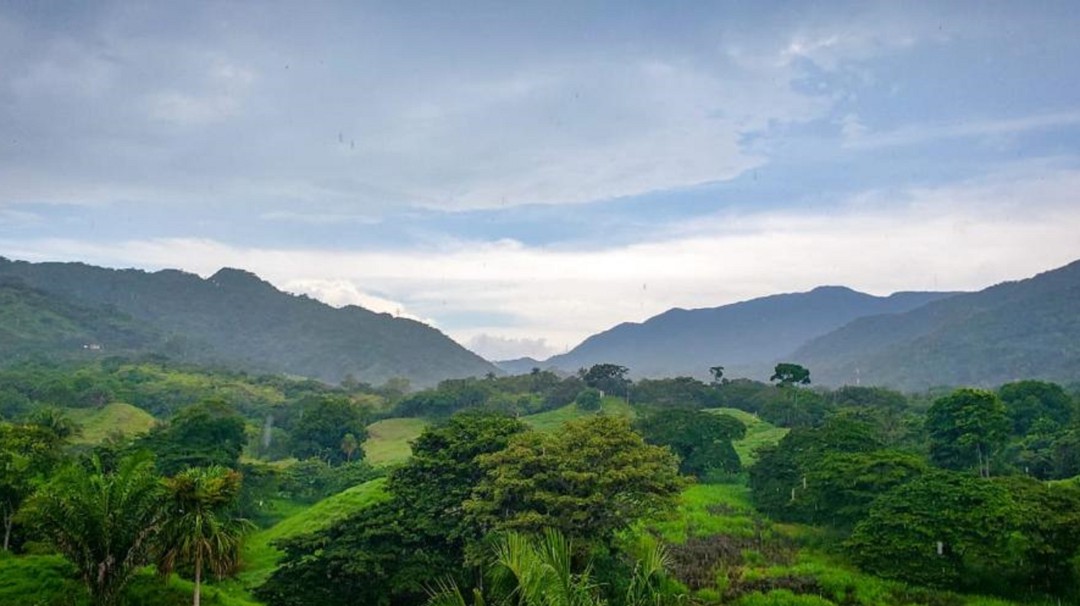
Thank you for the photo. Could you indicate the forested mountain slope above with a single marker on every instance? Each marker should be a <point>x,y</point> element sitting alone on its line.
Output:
<point>1024,329</point>
<point>235,318</point>
<point>747,338</point>
<point>34,322</point>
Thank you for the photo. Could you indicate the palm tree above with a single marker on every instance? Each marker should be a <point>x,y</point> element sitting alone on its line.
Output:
<point>197,527</point>
<point>529,571</point>
<point>103,522</point>
<point>537,571</point>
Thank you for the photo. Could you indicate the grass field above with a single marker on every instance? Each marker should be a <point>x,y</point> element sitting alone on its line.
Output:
<point>553,419</point>
<point>260,556</point>
<point>758,433</point>
<point>388,440</point>
<point>98,423</point>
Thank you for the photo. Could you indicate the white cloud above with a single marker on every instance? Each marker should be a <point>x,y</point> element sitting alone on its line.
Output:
<point>494,347</point>
<point>964,236</point>
<point>924,133</point>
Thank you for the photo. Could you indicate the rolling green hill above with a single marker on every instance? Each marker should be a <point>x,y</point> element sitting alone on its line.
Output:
<point>98,423</point>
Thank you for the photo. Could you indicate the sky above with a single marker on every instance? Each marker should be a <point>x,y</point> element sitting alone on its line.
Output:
<point>521,175</point>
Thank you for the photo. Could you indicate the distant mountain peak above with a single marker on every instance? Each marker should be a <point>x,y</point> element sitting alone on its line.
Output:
<point>233,277</point>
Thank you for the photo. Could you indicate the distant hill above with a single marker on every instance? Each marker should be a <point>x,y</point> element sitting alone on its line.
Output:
<point>33,322</point>
<point>232,318</point>
<point>746,338</point>
<point>1015,330</point>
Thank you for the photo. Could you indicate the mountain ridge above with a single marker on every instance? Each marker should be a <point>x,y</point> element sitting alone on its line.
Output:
<point>236,318</point>
<point>746,337</point>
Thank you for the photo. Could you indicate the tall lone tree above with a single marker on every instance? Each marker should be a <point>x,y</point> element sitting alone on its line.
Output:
<point>198,528</point>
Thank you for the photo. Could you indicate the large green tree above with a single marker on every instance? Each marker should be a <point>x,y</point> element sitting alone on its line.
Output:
<point>701,439</point>
<point>198,527</point>
<point>593,477</point>
<point>391,551</point>
<point>28,454</point>
<point>966,429</point>
<point>103,522</point>
<point>323,426</point>
<point>205,434</point>
<point>944,529</point>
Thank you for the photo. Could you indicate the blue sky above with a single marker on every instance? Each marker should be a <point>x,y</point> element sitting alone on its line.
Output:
<point>522,175</point>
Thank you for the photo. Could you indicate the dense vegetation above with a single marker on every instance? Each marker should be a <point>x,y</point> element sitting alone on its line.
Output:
<point>534,489</point>
<point>232,318</point>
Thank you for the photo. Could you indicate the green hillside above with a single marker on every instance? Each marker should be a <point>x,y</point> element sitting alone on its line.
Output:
<point>388,439</point>
<point>234,318</point>
<point>116,418</point>
<point>1028,329</point>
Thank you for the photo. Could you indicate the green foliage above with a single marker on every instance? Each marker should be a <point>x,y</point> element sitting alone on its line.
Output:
<point>311,480</point>
<point>232,317</point>
<point>608,378</point>
<point>323,427</point>
<point>594,477</point>
<point>678,392</point>
<point>759,434</point>
<point>588,400</point>
<point>39,581</point>
<point>197,528</point>
<point>788,374</point>
<point>28,454</point>
<point>207,434</point>
<point>1029,401</point>
<point>780,474</point>
<point>966,429</point>
<point>393,549</point>
<point>702,440</point>
<point>259,554</point>
<point>103,522</point>
<point>972,520</point>
<point>841,486</point>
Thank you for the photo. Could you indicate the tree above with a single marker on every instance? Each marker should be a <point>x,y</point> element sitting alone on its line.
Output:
<point>701,439</point>
<point>1028,401</point>
<point>390,551</point>
<point>787,374</point>
<point>717,373</point>
<point>588,400</point>
<point>943,529</point>
<point>529,571</point>
<point>779,477</point>
<point>590,479</point>
<point>103,522</point>
<point>28,454</point>
<point>206,434</point>
<point>323,425</point>
<point>197,527</point>
<point>608,378</point>
<point>966,428</point>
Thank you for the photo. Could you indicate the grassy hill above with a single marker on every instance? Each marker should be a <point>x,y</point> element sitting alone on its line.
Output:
<point>98,423</point>
<point>388,439</point>
<point>758,433</point>
<point>260,556</point>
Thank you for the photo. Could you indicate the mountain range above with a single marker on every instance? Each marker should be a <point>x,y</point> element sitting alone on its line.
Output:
<point>232,318</point>
<point>913,340</point>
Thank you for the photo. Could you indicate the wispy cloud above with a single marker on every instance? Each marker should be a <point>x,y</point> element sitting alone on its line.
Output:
<point>858,137</point>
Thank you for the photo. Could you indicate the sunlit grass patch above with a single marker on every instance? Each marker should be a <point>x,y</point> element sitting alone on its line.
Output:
<point>388,440</point>
<point>98,423</point>
<point>758,433</point>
